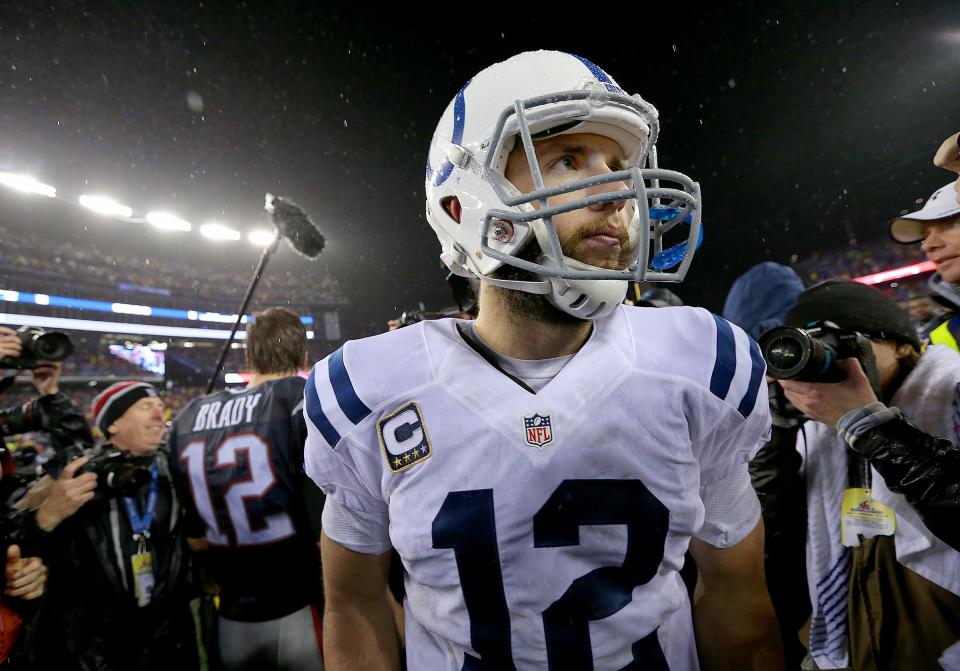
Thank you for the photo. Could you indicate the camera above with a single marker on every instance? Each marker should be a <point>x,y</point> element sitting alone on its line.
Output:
<point>119,473</point>
<point>54,414</point>
<point>811,354</point>
<point>39,345</point>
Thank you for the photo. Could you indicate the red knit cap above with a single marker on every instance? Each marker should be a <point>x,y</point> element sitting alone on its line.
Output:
<point>110,404</point>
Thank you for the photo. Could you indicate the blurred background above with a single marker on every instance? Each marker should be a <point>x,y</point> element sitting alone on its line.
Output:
<point>809,126</point>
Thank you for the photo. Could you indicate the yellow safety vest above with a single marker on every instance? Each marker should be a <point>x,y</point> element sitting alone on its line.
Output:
<point>942,336</point>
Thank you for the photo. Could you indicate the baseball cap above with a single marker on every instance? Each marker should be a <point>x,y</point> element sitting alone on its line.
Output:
<point>944,203</point>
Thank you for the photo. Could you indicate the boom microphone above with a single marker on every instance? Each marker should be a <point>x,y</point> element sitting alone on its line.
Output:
<point>294,225</point>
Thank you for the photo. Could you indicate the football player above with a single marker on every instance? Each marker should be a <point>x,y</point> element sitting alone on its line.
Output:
<point>542,470</point>
<point>257,516</point>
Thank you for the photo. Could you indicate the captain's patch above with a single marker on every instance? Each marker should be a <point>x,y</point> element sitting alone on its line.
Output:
<point>404,438</point>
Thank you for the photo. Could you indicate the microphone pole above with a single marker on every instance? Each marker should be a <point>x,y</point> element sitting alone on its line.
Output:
<point>264,257</point>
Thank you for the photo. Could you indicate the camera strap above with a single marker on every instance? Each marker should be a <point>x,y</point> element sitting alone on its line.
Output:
<point>141,562</point>
<point>141,523</point>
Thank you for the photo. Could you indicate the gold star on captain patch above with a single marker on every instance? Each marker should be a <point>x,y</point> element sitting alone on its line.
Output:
<point>397,463</point>
<point>416,452</point>
<point>406,457</point>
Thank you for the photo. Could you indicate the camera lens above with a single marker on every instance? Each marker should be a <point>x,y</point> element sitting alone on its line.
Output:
<point>795,354</point>
<point>784,352</point>
<point>787,351</point>
<point>52,346</point>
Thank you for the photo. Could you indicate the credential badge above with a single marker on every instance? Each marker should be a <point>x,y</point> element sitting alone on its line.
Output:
<point>539,432</point>
<point>404,438</point>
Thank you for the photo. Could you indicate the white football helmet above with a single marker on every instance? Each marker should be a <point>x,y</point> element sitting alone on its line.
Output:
<point>517,99</point>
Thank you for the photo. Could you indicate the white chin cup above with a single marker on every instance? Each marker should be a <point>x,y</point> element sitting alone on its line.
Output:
<point>586,299</point>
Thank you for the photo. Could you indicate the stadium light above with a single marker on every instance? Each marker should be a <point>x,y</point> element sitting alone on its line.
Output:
<point>262,238</point>
<point>168,222</point>
<point>897,273</point>
<point>105,206</point>
<point>219,232</point>
<point>27,184</point>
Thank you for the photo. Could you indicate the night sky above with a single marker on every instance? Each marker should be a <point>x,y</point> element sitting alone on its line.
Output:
<point>808,126</point>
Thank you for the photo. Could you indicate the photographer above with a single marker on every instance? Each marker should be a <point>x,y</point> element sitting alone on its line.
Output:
<point>24,578</point>
<point>759,300</point>
<point>892,601</point>
<point>112,525</point>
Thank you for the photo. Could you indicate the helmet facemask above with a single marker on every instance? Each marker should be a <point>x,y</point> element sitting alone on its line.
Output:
<point>560,275</point>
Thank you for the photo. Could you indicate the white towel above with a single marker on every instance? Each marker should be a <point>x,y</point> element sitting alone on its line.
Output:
<point>828,562</point>
<point>928,398</point>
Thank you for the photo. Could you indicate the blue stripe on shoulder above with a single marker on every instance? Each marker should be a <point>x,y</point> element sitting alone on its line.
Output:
<point>315,412</point>
<point>726,363</point>
<point>756,377</point>
<point>347,398</point>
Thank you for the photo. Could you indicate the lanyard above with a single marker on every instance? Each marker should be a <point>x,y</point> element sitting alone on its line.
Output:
<point>141,525</point>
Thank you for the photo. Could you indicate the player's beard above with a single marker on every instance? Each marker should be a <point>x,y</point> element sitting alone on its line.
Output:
<point>536,306</point>
<point>620,262</point>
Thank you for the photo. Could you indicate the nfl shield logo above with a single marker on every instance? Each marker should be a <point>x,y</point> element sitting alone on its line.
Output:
<point>538,430</point>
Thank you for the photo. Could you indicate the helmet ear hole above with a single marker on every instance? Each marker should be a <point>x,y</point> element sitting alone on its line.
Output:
<point>580,301</point>
<point>451,205</point>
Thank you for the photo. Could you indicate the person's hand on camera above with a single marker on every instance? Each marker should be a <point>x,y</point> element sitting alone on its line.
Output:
<point>67,495</point>
<point>46,377</point>
<point>783,414</point>
<point>828,402</point>
<point>10,344</point>
<point>25,577</point>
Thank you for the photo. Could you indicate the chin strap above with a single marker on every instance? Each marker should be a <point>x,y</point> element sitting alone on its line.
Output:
<point>541,287</point>
<point>564,294</point>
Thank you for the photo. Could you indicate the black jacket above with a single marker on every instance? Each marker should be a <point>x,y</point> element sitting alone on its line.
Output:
<point>89,618</point>
<point>921,467</point>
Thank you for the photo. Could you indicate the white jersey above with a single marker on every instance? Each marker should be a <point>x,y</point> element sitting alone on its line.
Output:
<point>542,530</point>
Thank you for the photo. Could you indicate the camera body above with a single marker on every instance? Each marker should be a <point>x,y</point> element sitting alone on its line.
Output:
<point>118,472</point>
<point>39,345</point>
<point>54,414</point>
<point>810,354</point>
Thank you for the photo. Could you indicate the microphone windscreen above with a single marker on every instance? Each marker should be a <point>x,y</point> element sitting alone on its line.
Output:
<point>294,224</point>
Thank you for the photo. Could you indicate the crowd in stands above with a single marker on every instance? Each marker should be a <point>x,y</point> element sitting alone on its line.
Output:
<point>864,258</point>
<point>76,263</point>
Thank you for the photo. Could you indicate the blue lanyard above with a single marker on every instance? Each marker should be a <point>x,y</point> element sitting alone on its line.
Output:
<point>141,525</point>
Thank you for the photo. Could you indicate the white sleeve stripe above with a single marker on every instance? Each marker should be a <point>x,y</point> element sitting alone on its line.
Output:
<point>738,367</point>
<point>741,377</point>
<point>725,364</point>
<point>757,368</point>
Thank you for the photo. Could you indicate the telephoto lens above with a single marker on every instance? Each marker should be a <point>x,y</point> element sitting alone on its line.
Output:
<point>793,354</point>
<point>46,345</point>
<point>38,345</point>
